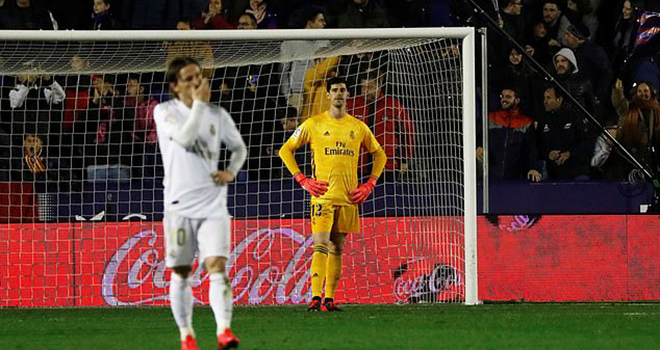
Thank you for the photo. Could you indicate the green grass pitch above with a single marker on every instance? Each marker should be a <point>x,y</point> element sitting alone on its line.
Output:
<point>505,326</point>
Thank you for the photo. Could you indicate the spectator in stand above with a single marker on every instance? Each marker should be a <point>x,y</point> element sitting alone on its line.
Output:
<point>557,23</point>
<point>603,166</point>
<point>591,58</point>
<point>512,153</point>
<point>564,141</point>
<point>33,99</point>
<point>512,18</point>
<point>539,40</point>
<point>34,158</point>
<point>142,105</point>
<point>624,37</point>
<point>76,87</point>
<point>361,14</point>
<point>315,98</point>
<point>25,14</point>
<point>143,144</point>
<point>639,123</point>
<point>569,76</point>
<point>293,73</point>
<point>354,66</point>
<point>30,160</point>
<point>512,141</point>
<point>266,16</point>
<point>102,18</point>
<point>98,131</point>
<point>521,75</point>
<point>580,13</point>
<point>247,21</point>
<point>389,122</point>
<point>213,18</point>
<point>200,51</point>
<point>512,23</point>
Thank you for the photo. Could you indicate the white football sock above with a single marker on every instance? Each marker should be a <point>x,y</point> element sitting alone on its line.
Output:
<point>181,301</point>
<point>220,297</point>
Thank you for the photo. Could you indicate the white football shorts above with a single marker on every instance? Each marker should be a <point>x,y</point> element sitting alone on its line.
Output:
<point>185,236</point>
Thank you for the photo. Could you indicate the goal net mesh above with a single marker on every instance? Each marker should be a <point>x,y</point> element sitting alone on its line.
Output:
<point>81,198</point>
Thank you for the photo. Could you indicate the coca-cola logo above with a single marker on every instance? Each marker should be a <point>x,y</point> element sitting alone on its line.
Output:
<point>413,285</point>
<point>268,263</point>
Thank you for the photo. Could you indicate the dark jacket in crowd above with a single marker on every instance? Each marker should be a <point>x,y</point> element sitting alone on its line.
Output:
<point>563,130</point>
<point>594,64</point>
<point>581,89</point>
<point>511,145</point>
<point>105,21</point>
<point>33,17</point>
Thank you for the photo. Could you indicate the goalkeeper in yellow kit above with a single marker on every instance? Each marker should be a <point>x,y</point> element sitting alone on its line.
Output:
<point>335,139</point>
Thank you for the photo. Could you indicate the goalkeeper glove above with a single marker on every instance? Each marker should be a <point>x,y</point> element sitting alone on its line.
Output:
<point>360,194</point>
<point>316,188</point>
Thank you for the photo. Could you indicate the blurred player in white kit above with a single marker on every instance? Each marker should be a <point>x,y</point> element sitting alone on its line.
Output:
<point>190,134</point>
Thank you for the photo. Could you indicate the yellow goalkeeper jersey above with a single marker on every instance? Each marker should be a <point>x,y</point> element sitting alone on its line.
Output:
<point>335,145</point>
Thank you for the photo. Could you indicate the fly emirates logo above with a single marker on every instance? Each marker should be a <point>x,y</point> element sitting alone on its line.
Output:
<point>339,150</point>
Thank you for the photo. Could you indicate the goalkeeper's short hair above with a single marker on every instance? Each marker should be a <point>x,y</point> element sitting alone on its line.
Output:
<point>334,81</point>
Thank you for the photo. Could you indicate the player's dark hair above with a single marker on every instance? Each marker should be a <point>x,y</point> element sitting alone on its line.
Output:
<point>173,69</point>
<point>335,81</point>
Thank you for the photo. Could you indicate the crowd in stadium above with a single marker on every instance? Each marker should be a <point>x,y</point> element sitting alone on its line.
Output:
<point>57,127</point>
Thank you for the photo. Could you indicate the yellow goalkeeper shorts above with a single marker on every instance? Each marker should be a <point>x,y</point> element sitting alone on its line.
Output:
<point>327,217</point>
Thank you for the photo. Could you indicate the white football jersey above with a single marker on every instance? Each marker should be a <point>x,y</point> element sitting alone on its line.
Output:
<point>189,187</point>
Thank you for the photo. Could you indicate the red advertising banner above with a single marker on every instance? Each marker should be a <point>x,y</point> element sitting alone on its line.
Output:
<point>121,264</point>
<point>569,258</point>
<point>412,259</point>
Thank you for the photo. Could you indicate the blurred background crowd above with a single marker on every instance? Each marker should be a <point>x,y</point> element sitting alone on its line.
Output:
<point>62,130</point>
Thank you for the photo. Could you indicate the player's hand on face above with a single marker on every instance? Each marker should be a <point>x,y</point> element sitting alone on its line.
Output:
<point>222,177</point>
<point>202,92</point>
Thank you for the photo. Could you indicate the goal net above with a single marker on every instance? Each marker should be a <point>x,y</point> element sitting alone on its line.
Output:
<point>81,198</point>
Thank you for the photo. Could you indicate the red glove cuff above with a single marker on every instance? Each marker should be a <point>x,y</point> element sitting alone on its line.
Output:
<point>300,177</point>
<point>371,182</point>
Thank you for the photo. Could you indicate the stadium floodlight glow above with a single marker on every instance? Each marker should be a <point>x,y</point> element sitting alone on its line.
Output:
<point>430,209</point>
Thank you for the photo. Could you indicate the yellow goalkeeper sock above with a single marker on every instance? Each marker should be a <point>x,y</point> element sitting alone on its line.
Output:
<point>333,274</point>
<point>318,270</point>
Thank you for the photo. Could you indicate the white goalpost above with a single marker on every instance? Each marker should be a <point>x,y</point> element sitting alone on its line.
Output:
<point>80,178</point>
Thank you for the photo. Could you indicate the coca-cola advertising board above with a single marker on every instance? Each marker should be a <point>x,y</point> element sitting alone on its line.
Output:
<point>411,259</point>
<point>121,264</point>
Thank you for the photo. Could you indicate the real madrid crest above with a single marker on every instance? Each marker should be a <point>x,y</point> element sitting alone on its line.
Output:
<point>352,135</point>
<point>212,130</point>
